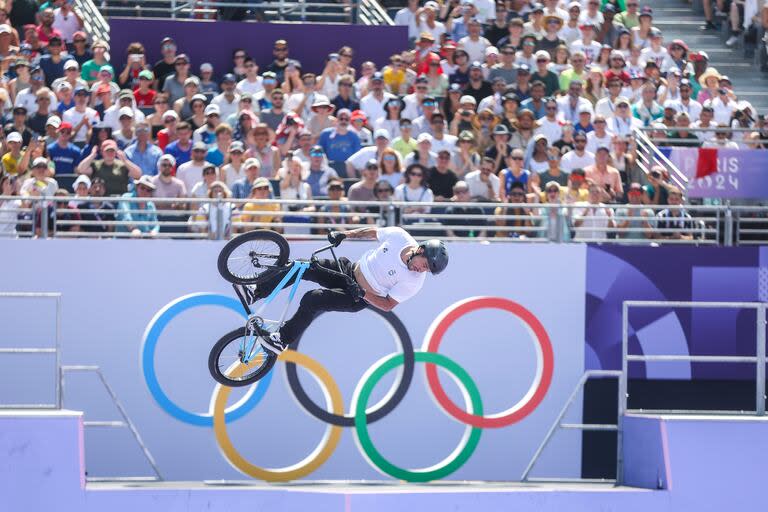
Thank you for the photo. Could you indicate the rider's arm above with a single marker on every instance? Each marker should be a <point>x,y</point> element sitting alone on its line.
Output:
<point>362,234</point>
<point>383,303</point>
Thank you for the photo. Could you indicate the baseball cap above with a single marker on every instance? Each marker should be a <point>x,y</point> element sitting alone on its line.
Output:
<point>236,146</point>
<point>260,182</point>
<point>200,146</point>
<point>467,99</point>
<point>146,181</point>
<point>381,132</point>
<point>85,180</point>
<point>424,137</point>
<point>40,161</point>
<point>106,68</point>
<point>125,111</point>
<point>377,77</point>
<point>146,74</point>
<point>192,80</point>
<point>212,109</point>
<point>125,94</point>
<point>205,67</point>
<point>71,64</point>
<point>251,162</point>
<point>229,77</point>
<point>107,144</point>
<point>14,137</point>
<point>55,121</point>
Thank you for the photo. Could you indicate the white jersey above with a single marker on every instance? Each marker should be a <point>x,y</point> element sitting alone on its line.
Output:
<point>385,270</point>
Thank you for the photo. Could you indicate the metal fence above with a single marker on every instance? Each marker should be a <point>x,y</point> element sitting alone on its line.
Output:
<point>218,219</point>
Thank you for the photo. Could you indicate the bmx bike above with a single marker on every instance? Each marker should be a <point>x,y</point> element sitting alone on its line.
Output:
<point>248,261</point>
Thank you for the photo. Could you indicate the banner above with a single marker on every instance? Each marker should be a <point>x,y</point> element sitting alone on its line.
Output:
<point>147,313</point>
<point>616,274</point>
<point>740,173</point>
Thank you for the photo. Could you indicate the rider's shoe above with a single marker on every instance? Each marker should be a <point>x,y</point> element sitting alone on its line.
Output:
<point>273,343</point>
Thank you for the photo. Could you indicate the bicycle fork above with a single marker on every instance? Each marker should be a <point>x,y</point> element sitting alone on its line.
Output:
<point>256,326</point>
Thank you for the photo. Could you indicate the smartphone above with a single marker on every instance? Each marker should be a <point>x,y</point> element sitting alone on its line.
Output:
<point>722,91</point>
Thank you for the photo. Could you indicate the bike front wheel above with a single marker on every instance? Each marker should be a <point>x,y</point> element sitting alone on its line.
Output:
<point>238,359</point>
<point>249,257</point>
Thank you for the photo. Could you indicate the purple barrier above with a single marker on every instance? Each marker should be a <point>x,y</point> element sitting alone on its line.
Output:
<point>740,173</point>
<point>214,41</point>
<point>616,274</point>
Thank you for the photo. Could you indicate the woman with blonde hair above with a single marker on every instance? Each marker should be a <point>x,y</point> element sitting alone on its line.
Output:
<point>213,212</point>
<point>483,125</point>
<point>595,86</point>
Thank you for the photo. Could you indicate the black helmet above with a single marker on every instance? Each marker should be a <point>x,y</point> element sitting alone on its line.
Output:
<point>436,254</point>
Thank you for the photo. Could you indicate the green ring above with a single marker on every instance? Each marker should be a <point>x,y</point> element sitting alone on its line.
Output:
<point>360,402</point>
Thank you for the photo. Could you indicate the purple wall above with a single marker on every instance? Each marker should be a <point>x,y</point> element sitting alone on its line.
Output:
<point>206,41</point>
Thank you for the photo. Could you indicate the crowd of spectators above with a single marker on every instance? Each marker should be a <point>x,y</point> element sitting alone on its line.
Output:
<point>506,105</point>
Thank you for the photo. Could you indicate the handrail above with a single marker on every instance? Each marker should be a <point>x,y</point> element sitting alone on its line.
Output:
<point>651,154</point>
<point>93,21</point>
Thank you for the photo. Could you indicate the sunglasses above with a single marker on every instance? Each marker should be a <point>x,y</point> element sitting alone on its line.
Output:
<point>79,41</point>
<point>553,191</point>
<point>265,187</point>
<point>580,141</point>
<point>417,174</point>
<point>462,191</point>
<point>383,190</point>
<point>516,158</point>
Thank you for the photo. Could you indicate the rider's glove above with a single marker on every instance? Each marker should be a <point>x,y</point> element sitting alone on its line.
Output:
<point>335,237</point>
<point>356,291</point>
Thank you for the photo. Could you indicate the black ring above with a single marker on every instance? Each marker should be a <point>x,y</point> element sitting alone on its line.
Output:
<point>349,421</point>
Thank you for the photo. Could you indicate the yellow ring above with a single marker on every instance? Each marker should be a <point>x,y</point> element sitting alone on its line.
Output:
<point>315,459</point>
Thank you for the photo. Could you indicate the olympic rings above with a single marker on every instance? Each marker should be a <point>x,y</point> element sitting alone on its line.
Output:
<point>544,361</point>
<point>318,456</point>
<point>387,404</point>
<point>442,469</point>
<point>151,336</point>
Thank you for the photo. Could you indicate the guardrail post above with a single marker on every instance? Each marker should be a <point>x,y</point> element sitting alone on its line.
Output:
<point>557,236</point>
<point>44,217</point>
<point>220,227</point>
<point>173,8</point>
<point>355,14</point>
<point>728,230</point>
<point>391,217</point>
<point>760,401</point>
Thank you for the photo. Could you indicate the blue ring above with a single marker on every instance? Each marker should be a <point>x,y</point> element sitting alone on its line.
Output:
<point>151,335</point>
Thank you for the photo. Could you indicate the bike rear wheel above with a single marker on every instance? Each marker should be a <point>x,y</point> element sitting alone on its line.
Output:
<point>231,350</point>
<point>249,257</point>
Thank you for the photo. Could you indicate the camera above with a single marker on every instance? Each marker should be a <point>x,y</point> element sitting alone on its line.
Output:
<point>655,174</point>
<point>290,121</point>
<point>465,113</point>
<point>722,91</point>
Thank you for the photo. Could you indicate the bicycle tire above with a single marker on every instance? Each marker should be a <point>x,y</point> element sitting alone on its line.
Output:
<point>215,368</point>
<point>280,256</point>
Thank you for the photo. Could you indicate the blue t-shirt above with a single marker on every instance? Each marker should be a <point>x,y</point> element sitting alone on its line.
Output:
<point>338,147</point>
<point>215,156</point>
<point>51,69</point>
<point>66,158</point>
<point>176,152</point>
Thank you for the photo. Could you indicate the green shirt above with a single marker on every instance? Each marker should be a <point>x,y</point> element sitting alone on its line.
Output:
<point>404,148</point>
<point>569,75</point>
<point>115,176</point>
<point>90,72</point>
<point>626,19</point>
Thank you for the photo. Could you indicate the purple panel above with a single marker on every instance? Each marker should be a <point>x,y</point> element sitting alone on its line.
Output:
<point>644,446</point>
<point>207,41</point>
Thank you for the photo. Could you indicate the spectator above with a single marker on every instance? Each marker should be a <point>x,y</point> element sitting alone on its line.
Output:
<point>281,62</point>
<point>579,157</point>
<point>173,85</point>
<point>52,63</point>
<point>577,191</point>
<point>209,214</point>
<point>27,97</point>
<point>81,117</point>
<point>8,207</point>
<point>275,114</point>
<point>390,167</point>
<point>207,85</point>
<point>192,110</point>
<point>356,162</point>
<point>245,112</point>
<point>345,99</point>
<point>39,184</point>
<point>441,178</point>
<point>360,125</point>
<point>45,31</point>
<point>322,118</point>
<point>674,223</point>
<point>200,189</point>
<point>142,152</point>
<point>405,143</point>
<point>518,217</point>
<point>167,185</point>
<point>11,159</point>
<point>37,121</point>
<point>268,155</point>
<point>553,171</point>
<point>80,51</point>
<point>207,133</point>
<point>257,210</point>
<point>515,173</point>
<point>66,21</point>
<point>294,187</point>
<point>721,139</point>
<point>363,189</point>
<point>217,153</point>
<point>423,154</point>
<point>408,17</point>
<point>634,223</point>
<point>681,136</point>
<point>252,82</point>
<point>92,68</point>
<point>599,136</point>
<point>336,209</point>
<point>241,188</point>
<point>114,168</point>
<point>373,103</point>
<point>319,174</point>
<point>233,170</point>
<point>98,216</point>
<point>126,135</point>
<point>415,190</point>
<point>139,218</point>
<point>339,142</point>
<point>181,148</point>
<point>143,95</point>
<point>605,176</point>
<point>629,17</point>
<point>593,221</point>
<point>463,215</point>
<point>71,76</point>
<point>423,123</point>
<point>65,155</point>
<point>192,171</point>
<point>483,184</point>
<point>167,65</point>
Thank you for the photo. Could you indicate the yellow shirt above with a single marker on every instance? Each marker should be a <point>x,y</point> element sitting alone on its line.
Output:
<point>11,164</point>
<point>394,79</point>
<point>269,208</point>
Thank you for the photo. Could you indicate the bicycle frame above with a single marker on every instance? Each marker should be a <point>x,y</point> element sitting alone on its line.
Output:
<point>297,268</point>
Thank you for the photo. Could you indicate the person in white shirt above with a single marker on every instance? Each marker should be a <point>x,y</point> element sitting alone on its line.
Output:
<point>622,122</point>
<point>587,44</point>
<point>579,157</point>
<point>441,139</point>
<point>385,276</point>
<point>474,43</point>
<point>426,18</point>
<point>357,162</point>
<point>594,220</point>
<point>570,31</point>
<point>705,121</point>
<point>191,172</point>
<point>373,103</point>
<point>656,52</point>
<point>483,183</point>
<point>67,21</point>
<point>252,83</point>
<point>229,99</point>
<point>81,117</point>
<point>686,104</point>
<point>407,17</point>
<point>600,136</point>
<point>721,139</point>
<point>592,15</point>
<point>722,106</point>
<point>549,125</point>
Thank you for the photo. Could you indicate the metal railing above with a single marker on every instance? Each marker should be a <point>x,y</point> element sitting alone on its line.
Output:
<point>94,23</point>
<point>125,423</point>
<point>558,424</point>
<point>125,217</point>
<point>649,155</point>
<point>56,349</point>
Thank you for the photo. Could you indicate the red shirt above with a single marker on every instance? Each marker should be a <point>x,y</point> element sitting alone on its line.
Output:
<point>144,100</point>
<point>45,37</point>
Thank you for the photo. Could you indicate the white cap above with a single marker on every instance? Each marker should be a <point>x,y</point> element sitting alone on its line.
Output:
<point>81,179</point>
<point>125,111</point>
<point>13,137</point>
<point>432,5</point>
<point>424,137</point>
<point>5,29</point>
<point>542,54</point>
<point>672,104</point>
<point>212,109</point>
<point>491,50</point>
<point>54,121</point>
<point>40,162</point>
<point>71,64</point>
<point>573,4</point>
<point>585,108</point>
<point>171,113</point>
<point>206,66</point>
<point>381,132</point>
<point>467,99</point>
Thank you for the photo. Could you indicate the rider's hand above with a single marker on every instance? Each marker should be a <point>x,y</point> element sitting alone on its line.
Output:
<point>356,291</point>
<point>335,237</point>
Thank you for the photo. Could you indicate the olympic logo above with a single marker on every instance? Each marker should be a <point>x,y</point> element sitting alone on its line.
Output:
<point>361,415</point>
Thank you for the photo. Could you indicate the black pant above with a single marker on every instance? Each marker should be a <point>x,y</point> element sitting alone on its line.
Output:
<point>333,296</point>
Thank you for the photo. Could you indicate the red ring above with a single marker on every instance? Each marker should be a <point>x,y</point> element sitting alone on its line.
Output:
<point>435,336</point>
